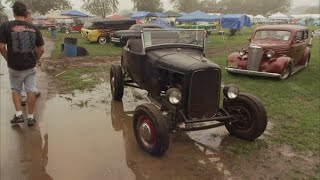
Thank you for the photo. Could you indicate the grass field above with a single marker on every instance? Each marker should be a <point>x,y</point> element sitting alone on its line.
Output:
<point>292,105</point>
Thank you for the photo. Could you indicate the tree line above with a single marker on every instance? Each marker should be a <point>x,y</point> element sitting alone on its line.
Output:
<point>104,7</point>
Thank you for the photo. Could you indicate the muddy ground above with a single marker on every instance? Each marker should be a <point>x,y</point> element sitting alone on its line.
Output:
<point>204,154</point>
<point>85,135</point>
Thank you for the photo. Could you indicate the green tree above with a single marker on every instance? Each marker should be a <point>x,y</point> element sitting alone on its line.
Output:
<point>209,6</point>
<point>148,5</point>
<point>186,5</point>
<point>100,7</point>
<point>44,6</point>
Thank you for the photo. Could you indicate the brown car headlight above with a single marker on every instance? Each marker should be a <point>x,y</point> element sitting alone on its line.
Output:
<point>242,52</point>
<point>174,95</point>
<point>231,91</point>
<point>270,54</point>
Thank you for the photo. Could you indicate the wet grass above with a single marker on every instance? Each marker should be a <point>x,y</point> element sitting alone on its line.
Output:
<point>73,79</point>
<point>292,105</point>
<point>243,148</point>
<point>94,49</point>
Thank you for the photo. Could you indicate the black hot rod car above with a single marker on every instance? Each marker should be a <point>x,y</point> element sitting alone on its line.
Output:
<point>184,87</point>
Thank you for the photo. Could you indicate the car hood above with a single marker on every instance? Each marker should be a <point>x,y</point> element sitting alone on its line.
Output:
<point>180,60</point>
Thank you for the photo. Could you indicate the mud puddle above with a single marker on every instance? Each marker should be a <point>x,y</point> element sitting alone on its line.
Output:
<point>85,135</point>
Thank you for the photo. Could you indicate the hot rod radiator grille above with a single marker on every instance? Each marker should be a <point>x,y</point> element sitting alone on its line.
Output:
<point>254,58</point>
<point>204,94</point>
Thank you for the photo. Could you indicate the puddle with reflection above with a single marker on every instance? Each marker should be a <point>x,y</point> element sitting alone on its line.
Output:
<point>85,135</point>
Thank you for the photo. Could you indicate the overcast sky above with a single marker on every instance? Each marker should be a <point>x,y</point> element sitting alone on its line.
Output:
<point>127,4</point>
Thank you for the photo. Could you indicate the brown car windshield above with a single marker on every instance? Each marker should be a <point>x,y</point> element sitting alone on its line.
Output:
<point>272,34</point>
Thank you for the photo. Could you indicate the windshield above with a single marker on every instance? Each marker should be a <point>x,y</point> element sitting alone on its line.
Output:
<point>271,34</point>
<point>88,25</point>
<point>188,37</point>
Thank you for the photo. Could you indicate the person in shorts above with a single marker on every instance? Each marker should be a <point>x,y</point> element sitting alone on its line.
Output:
<point>28,19</point>
<point>21,45</point>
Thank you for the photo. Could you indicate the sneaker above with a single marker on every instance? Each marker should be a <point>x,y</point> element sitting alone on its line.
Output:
<point>37,94</point>
<point>31,121</point>
<point>17,119</point>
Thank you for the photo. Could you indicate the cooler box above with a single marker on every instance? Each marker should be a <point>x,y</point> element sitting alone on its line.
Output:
<point>70,47</point>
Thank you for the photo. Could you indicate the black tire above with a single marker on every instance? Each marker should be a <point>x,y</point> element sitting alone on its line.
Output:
<point>150,117</point>
<point>286,72</point>
<point>251,113</point>
<point>116,82</point>
<point>102,40</point>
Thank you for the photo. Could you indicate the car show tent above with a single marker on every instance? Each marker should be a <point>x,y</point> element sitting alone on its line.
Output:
<point>162,23</point>
<point>235,21</point>
<point>279,15</point>
<point>197,16</point>
<point>74,13</point>
<point>259,18</point>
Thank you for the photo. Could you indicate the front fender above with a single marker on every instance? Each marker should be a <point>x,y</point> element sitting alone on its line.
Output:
<point>277,65</point>
<point>241,62</point>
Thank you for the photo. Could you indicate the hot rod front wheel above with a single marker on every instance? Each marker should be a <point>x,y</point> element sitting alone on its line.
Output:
<point>286,73</point>
<point>151,129</point>
<point>249,116</point>
<point>116,82</point>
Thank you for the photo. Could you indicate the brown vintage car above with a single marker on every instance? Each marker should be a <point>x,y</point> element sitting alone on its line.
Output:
<point>274,51</point>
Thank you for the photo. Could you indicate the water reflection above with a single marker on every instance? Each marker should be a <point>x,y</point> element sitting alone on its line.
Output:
<point>185,159</point>
<point>34,154</point>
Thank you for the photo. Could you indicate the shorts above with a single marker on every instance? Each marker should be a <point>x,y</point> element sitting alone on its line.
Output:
<point>24,77</point>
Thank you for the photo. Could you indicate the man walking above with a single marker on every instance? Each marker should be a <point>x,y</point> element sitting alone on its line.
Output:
<point>21,44</point>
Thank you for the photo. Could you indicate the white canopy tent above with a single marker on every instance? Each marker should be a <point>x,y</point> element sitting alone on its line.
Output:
<point>279,15</point>
<point>259,18</point>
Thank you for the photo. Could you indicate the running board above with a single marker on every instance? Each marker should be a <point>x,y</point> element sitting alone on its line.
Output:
<point>297,68</point>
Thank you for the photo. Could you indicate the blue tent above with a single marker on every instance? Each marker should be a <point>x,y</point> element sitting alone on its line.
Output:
<point>160,22</point>
<point>140,15</point>
<point>159,15</point>
<point>235,21</point>
<point>74,13</point>
<point>197,16</point>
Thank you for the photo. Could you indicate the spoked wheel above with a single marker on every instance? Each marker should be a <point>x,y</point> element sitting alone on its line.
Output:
<point>286,72</point>
<point>116,82</point>
<point>249,116</point>
<point>102,40</point>
<point>151,129</point>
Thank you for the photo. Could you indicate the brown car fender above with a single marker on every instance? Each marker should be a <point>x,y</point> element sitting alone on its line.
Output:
<point>278,65</point>
<point>306,56</point>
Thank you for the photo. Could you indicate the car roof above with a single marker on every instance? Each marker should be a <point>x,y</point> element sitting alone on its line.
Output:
<point>147,26</point>
<point>285,27</point>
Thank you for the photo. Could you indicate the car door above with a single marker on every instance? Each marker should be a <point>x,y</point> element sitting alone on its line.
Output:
<point>298,45</point>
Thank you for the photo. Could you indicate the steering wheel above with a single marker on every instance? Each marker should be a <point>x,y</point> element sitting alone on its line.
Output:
<point>188,40</point>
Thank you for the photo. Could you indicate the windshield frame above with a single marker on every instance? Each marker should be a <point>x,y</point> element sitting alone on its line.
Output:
<point>274,38</point>
<point>202,45</point>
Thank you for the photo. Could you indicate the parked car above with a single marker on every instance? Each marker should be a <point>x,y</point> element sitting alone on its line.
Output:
<point>100,30</point>
<point>274,51</point>
<point>121,37</point>
<point>184,87</point>
<point>67,27</point>
<point>44,24</point>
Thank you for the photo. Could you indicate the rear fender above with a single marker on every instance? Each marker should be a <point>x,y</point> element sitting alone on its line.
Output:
<point>306,56</point>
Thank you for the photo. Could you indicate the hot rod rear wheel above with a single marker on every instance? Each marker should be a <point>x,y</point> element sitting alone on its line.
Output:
<point>251,116</point>
<point>151,129</point>
<point>116,82</point>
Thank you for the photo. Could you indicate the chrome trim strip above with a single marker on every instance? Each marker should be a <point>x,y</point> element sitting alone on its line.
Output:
<point>257,73</point>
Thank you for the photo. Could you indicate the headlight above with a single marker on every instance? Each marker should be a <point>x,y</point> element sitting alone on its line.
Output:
<point>174,95</point>
<point>242,52</point>
<point>270,54</point>
<point>231,91</point>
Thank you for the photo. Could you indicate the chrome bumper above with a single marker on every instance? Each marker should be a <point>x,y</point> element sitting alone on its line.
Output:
<point>116,40</point>
<point>255,73</point>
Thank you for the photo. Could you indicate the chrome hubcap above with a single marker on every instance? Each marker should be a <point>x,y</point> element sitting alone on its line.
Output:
<point>102,40</point>
<point>145,132</point>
